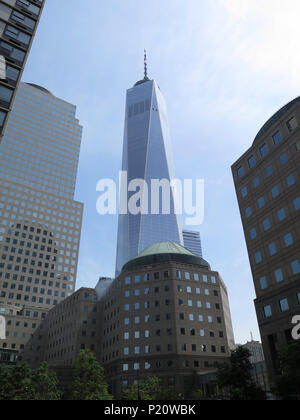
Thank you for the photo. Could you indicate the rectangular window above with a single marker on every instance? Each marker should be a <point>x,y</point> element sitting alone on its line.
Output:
<point>284,305</point>
<point>281,215</point>
<point>295,267</point>
<point>279,275</point>
<point>258,257</point>
<point>277,137</point>
<point>251,162</point>
<point>256,182</point>
<point>272,249</point>
<point>261,202</point>
<point>240,172</point>
<point>275,192</point>
<point>244,192</point>
<point>292,124</point>
<point>283,159</point>
<point>264,150</point>
<point>268,311</point>
<point>248,211</point>
<point>288,239</point>
<point>5,94</point>
<point>263,283</point>
<point>269,170</point>
<point>296,203</point>
<point>290,180</point>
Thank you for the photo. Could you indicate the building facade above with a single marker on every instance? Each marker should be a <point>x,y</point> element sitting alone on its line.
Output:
<point>40,223</point>
<point>267,181</point>
<point>18,24</point>
<point>256,350</point>
<point>147,156</point>
<point>166,315</point>
<point>192,242</point>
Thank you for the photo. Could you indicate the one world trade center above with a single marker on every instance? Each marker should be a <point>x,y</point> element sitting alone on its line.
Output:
<point>147,156</point>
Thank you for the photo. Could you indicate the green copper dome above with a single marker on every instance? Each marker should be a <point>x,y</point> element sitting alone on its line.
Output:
<point>166,252</point>
<point>165,248</point>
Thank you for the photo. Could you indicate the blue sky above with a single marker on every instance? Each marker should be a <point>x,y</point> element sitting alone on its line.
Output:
<point>224,67</point>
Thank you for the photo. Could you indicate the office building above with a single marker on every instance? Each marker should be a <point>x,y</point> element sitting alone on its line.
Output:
<point>192,242</point>
<point>268,190</point>
<point>256,350</point>
<point>40,223</point>
<point>166,315</point>
<point>147,156</point>
<point>18,24</point>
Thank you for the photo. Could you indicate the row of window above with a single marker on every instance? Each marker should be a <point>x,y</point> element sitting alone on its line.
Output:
<point>283,304</point>
<point>34,299</point>
<point>272,246</point>
<point>275,191</point>
<point>264,149</point>
<point>160,364</point>
<point>281,216</point>
<point>137,350</point>
<point>137,319</point>
<point>137,279</point>
<point>146,334</point>
<point>157,290</point>
<point>158,304</point>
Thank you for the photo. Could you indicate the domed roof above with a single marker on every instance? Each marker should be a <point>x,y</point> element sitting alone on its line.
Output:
<point>165,252</point>
<point>165,248</point>
<point>276,117</point>
<point>42,89</point>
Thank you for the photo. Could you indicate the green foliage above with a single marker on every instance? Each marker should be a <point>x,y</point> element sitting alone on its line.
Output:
<point>88,381</point>
<point>45,384</point>
<point>20,383</point>
<point>150,390</point>
<point>288,383</point>
<point>197,394</point>
<point>236,377</point>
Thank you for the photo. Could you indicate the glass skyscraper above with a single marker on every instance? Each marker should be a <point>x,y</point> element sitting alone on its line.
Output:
<point>192,242</point>
<point>40,223</point>
<point>18,24</point>
<point>147,155</point>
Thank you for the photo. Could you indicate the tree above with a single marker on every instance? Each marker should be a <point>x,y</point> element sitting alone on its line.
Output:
<point>150,390</point>
<point>88,381</point>
<point>236,377</point>
<point>288,383</point>
<point>45,384</point>
<point>16,383</point>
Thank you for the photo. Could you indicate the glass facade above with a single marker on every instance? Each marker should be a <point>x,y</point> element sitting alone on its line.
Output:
<point>41,145</point>
<point>18,23</point>
<point>192,242</point>
<point>40,223</point>
<point>147,155</point>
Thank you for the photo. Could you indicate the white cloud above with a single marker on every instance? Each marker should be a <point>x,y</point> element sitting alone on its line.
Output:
<point>268,35</point>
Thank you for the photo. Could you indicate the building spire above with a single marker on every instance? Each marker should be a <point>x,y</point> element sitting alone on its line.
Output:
<point>145,65</point>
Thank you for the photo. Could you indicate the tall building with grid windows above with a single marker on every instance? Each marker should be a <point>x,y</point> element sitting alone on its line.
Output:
<point>267,180</point>
<point>18,24</point>
<point>40,223</point>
